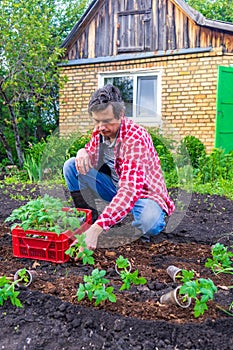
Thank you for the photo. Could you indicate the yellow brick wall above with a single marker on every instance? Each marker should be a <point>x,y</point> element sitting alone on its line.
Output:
<point>188,93</point>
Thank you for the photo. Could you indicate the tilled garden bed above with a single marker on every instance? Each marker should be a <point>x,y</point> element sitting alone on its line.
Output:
<point>53,319</point>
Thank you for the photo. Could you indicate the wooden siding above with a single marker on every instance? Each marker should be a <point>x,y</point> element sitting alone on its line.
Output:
<point>121,26</point>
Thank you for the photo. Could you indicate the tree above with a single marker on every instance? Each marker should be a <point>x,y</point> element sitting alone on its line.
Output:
<point>68,12</point>
<point>31,35</point>
<point>28,57</point>
<point>214,9</point>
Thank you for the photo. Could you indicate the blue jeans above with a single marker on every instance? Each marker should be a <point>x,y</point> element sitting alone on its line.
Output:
<point>149,217</point>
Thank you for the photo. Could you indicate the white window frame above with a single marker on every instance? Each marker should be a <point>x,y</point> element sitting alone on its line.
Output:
<point>151,121</point>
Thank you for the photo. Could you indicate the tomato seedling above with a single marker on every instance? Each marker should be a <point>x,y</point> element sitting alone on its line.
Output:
<point>46,214</point>
<point>79,250</point>
<point>95,287</point>
<point>221,259</point>
<point>123,266</point>
<point>7,288</point>
<point>201,290</point>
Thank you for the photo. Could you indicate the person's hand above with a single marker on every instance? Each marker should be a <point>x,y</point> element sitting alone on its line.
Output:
<point>92,235</point>
<point>91,239</point>
<point>82,161</point>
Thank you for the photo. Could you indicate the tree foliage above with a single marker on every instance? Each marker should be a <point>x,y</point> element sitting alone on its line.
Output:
<point>30,48</point>
<point>31,35</point>
<point>68,12</point>
<point>221,10</point>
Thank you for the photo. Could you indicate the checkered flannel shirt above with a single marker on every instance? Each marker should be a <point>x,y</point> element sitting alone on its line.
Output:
<point>138,167</point>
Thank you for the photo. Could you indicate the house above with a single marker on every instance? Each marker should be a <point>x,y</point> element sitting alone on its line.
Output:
<point>173,67</point>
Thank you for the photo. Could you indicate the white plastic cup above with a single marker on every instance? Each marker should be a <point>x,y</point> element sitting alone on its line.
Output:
<point>172,298</point>
<point>173,272</point>
<point>31,274</point>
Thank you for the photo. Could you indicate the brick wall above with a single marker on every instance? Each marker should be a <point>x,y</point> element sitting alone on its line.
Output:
<point>188,93</point>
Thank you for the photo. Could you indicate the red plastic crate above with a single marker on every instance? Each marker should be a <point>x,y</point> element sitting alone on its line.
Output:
<point>48,246</point>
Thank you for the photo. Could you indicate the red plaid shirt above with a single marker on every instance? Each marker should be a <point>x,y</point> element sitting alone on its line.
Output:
<point>138,167</point>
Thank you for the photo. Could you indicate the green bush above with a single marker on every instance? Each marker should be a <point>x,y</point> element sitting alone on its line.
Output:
<point>182,165</point>
<point>32,160</point>
<point>4,163</point>
<point>192,149</point>
<point>79,143</point>
<point>164,147</point>
<point>216,165</point>
<point>45,159</point>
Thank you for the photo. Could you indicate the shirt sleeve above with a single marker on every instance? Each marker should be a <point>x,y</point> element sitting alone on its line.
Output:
<point>130,185</point>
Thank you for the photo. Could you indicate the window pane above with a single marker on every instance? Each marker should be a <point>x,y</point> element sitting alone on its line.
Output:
<point>146,96</point>
<point>125,85</point>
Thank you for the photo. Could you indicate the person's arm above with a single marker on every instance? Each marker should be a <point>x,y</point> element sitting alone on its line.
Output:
<point>91,237</point>
<point>132,179</point>
<point>130,187</point>
<point>120,205</point>
<point>87,157</point>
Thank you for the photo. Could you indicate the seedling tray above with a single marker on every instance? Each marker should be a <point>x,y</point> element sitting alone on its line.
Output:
<point>48,246</point>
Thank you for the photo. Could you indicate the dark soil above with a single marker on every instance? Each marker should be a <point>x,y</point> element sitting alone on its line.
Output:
<point>53,319</point>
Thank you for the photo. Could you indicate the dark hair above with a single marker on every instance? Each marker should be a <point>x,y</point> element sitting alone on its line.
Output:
<point>105,96</point>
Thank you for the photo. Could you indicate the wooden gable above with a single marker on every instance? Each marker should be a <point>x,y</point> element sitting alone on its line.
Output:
<point>113,27</point>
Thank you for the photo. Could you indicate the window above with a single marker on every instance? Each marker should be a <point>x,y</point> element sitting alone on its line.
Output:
<point>125,85</point>
<point>140,92</point>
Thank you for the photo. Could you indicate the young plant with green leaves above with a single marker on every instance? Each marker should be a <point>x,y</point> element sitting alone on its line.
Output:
<point>46,214</point>
<point>23,277</point>
<point>7,288</point>
<point>201,290</point>
<point>95,287</point>
<point>221,261</point>
<point>128,278</point>
<point>79,250</point>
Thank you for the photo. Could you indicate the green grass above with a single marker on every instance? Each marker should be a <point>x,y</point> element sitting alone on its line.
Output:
<point>220,187</point>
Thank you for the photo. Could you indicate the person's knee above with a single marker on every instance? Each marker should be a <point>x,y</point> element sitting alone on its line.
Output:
<point>70,163</point>
<point>152,223</point>
<point>158,225</point>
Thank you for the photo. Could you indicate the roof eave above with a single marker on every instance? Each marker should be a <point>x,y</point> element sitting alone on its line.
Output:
<point>201,20</point>
<point>134,56</point>
<point>69,37</point>
<point>226,26</point>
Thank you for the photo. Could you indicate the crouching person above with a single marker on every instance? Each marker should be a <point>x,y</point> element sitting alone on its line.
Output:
<point>120,165</point>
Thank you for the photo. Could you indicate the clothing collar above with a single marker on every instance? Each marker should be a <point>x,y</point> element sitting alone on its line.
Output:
<point>123,129</point>
<point>107,141</point>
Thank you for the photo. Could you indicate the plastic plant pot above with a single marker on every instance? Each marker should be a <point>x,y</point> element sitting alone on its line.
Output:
<point>125,270</point>
<point>173,272</point>
<point>30,274</point>
<point>173,297</point>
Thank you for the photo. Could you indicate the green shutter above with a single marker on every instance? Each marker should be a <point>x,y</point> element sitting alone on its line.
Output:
<point>224,113</point>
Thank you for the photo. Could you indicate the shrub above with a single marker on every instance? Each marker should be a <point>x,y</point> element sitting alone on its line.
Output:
<point>216,165</point>
<point>193,148</point>
<point>79,142</point>
<point>164,148</point>
<point>45,159</point>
